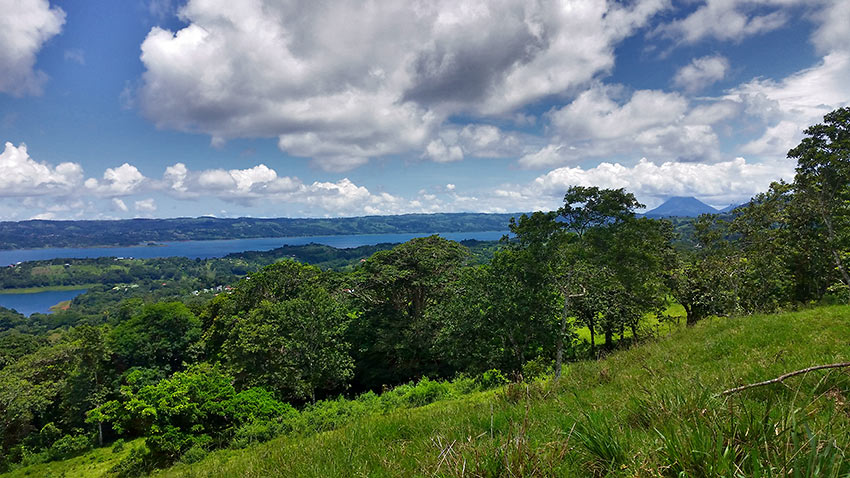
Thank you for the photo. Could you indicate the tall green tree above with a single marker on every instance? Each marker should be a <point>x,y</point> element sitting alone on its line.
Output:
<point>396,334</point>
<point>502,315</point>
<point>158,336</point>
<point>293,347</point>
<point>822,183</point>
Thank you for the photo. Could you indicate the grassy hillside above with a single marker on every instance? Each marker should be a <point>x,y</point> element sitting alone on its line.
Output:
<point>648,411</point>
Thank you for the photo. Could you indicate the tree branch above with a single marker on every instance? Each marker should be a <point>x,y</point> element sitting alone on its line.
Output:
<point>782,377</point>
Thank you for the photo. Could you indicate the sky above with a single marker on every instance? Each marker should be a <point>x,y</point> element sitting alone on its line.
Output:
<point>165,108</point>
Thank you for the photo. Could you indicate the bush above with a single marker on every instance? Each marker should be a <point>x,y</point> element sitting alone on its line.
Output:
<point>492,378</point>
<point>426,391</point>
<point>837,294</point>
<point>68,446</point>
<point>194,454</point>
<point>137,463</point>
<point>536,368</point>
<point>118,445</point>
<point>258,431</point>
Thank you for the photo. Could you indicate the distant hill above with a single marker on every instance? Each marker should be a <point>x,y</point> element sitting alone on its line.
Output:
<point>679,206</point>
<point>732,207</point>
<point>40,233</point>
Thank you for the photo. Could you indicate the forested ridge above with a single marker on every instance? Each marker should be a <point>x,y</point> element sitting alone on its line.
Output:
<point>293,348</point>
<point>128,232</point>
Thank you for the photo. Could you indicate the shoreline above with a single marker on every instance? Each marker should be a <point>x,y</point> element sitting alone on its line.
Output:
<point>183,241</point>
<point>52,288</point>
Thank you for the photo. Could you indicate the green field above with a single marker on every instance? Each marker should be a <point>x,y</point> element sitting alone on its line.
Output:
<point>652,410</point>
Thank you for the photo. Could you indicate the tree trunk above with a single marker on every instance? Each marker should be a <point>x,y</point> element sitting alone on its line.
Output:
<point>839,264</point>
<point>592,340</point>
<point>690,318</point>
<point>609,338</point>
<point>99,433</point>
<point>559,347</point>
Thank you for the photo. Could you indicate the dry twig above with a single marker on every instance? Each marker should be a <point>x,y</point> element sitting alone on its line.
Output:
<point>783,377</point>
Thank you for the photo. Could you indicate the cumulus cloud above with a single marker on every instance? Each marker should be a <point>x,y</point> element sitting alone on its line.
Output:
<point>21,175</point>
<point>121,181</point>
<point>145,206</point>
<point>250,183</point>
<point>439,152</point>
<point>730,20</point>
<point>701,72</point>
<point>25,26</point>
<point>720,183</point>
<point>601,123</point>
<point>297,71</point>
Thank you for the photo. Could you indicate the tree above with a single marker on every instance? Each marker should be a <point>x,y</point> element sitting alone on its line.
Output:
<point>158,336</point>
<point>502,315</point>
<point>194,408</point>
<point>593,215</point>
<point>706,281</point>
<point>822,183</point>
<point>397,291</point>
<point>293,347</point>
<point>767,241</point>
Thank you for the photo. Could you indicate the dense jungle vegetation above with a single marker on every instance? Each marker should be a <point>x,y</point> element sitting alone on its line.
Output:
<point>293,350</point>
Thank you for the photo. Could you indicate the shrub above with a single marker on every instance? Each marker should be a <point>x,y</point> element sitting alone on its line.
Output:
<point>118,445</point>
<point>194,454</point>
<point>426,391</point>
<point>68,446</point>
<point>536,368</point>
<point>491,379</point>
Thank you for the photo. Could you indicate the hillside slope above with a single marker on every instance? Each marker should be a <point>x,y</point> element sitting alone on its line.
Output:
<point>648,411</point>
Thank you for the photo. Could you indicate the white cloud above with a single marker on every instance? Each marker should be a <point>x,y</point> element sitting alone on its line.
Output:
<point>789,106</point>
<point>296,71</point>
<point>250,183</point>
<point>721,183</point>
<point>119,205</point>
<point>833,32</point>
<point>438,151</point>
<point>730,20</point>
<point>701,72</point>
<point>20,175</point>
<point>145,206</point>
<point>25,26</point>
<point>121,181</point>
<point>599,123</point>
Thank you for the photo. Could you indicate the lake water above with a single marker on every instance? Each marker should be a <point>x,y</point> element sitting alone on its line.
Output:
<point>38,302</point>
<point>220,248</point>
<point>41,301</point>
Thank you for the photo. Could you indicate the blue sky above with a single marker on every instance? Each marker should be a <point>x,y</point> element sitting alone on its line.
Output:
<point>161,108</point>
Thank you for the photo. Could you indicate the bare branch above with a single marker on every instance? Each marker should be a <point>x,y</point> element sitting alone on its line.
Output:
<point>783,377</point>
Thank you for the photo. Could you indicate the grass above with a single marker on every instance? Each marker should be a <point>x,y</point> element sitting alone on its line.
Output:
<point>52,288</point>
<point>93,464</point>
<point>650,325</point>
<point>650,411</point>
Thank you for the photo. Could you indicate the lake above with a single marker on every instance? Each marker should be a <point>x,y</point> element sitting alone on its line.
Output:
<point>37,302</point>
<point>42,301</point>
<point>220,248</point>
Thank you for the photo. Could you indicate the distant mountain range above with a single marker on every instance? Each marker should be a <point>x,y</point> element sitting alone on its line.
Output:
<point>679,206</point>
